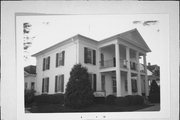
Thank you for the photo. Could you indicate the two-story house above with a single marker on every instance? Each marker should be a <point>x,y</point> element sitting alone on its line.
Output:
<point>113,64</point>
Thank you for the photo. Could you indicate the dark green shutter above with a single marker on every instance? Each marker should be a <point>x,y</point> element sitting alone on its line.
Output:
<point>94,82</point>
<point>85,55</point>
<point>63,57</point>
<point>56,59</point>
<point>48,62</point>
<point>43,64</point>
<point>47,84</point>
<point>94,57</point>
<point>62,83</point>
<point>43,86</point>
<point>56,83</point>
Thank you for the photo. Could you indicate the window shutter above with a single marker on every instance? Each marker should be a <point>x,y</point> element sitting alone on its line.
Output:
<point>49,62</point>
<point>114,61</point>
<point>94,82</point>
<point>56,83</point>
<point>43,86</point>
<point>62,83</point>
<point>47,84</point>
<point>94,57</point>
<point>85,55</point>
<point>43,64</point>
<point>63,57</point>
<point>56,59</point>
<point>102,59</point>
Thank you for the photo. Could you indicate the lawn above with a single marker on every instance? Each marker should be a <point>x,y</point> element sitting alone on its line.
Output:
<point>57,108</point>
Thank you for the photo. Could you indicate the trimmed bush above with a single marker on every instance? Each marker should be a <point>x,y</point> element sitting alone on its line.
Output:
<point>110,99</point>
<point>29,96</point>
<point>122,101</point>
<point>154,95</point>
<point>99,100</point>
<point>130,100</point>
<point>49,99</point>
<point>78,91</point>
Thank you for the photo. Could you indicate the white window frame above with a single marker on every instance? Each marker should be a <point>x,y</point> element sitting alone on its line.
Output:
<point>58,83</point>
<point>45,82</point>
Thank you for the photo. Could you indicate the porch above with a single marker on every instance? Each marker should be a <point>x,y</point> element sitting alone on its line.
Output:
<point>129,59</point>
<point>123,70</point>
<point>132,86</point>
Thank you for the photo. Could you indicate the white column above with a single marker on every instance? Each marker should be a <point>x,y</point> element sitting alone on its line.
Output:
<point>118,72</point>
<point>98,66</point>
<point>146,78</point>
<point>139,76</point>
<point>128,72</point>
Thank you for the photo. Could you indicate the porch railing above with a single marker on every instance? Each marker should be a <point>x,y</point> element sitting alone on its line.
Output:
<point>112,63</point>
<point>133,65</point>
<point>108,63</point>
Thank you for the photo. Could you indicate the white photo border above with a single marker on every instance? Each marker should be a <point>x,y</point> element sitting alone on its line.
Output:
<point>12,54</point>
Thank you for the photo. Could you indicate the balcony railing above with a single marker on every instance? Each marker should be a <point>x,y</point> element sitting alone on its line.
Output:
<point>108,63</point>
<point>133,65</point>
<point>112,63</point>
<point>123,63</point>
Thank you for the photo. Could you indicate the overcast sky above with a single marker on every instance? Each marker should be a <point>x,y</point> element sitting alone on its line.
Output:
<point>50,30</point>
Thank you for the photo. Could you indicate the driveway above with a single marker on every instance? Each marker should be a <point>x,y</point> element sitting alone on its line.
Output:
<point>156,107</point>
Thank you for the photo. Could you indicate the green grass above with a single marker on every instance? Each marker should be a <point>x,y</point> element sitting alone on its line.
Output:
<point>57,108</point>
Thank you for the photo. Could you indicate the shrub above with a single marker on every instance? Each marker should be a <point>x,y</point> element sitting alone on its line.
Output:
<point>99,100</point>
<point>29,96</point>
<point>134,100</point>
<point>122,101</point>
<point>78,91</point>
<point>129,98</point>
<point>110,99</point>
<point>154,95</point>
<point>49,99</point>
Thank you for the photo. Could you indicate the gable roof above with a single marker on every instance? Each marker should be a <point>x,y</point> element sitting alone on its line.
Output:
<point>31,69</point>
<point>132,37</point>
<point>64,42</point>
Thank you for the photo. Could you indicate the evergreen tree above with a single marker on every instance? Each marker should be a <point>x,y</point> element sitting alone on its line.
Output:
<point>154,95</point>
<point>78,91</point>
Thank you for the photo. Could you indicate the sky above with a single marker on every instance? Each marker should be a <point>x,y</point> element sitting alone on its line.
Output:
<point>49,30</point>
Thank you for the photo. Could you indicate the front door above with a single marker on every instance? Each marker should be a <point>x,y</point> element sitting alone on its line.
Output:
<point>114,90</point>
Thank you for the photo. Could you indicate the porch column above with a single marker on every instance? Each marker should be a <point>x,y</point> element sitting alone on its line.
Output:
<point>118,72</point>
<point>146,78</point>
<point>128,72</point>
<point>98,73</point>
<point>139,76</point>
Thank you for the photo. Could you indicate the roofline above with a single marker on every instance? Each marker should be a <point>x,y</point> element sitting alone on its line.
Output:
<point>64,42</point>
<point>71,39</point>
<point>120,35</point>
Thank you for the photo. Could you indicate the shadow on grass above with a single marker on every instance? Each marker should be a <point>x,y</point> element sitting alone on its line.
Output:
<point>57,108</point>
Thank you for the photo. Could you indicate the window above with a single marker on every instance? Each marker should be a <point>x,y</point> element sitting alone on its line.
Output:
<point>89,56</point>
<point>45,85</point>
<point>103,82</point>
<point>92,78</point>
<point>114,84</point>
<point>32,85</point>
<point>46,63</point>
<point>26,85</point>
<point>126,87</point>
<point>134,85</point>
<point>60,58</point>
<point>133,65</point>
<point>59,83</point>
<point>102,59</point>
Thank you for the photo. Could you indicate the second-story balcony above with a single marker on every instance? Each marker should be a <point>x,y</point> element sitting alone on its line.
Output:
<point>112,63</point>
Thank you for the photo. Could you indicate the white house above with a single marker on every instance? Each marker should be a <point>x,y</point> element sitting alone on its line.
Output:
<point>113,64</point>
<point>30,78</point>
